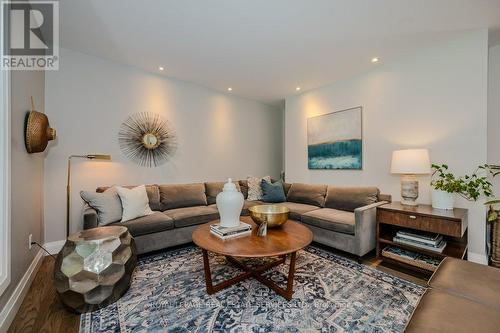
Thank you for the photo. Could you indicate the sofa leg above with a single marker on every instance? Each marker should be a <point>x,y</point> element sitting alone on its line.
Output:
<point>359,259</point>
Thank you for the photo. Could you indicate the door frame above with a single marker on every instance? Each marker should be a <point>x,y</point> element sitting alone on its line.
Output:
<point>5,158</point>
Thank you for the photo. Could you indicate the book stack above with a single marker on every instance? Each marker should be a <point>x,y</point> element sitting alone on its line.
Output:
<point>411,258</point>
<point>423,240</point>
<point>225,233</point>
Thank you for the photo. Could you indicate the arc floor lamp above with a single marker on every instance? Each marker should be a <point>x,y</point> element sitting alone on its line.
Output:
<point>68,185</point>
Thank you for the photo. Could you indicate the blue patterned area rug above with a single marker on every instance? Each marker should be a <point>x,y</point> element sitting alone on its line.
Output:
<point>332,294</point>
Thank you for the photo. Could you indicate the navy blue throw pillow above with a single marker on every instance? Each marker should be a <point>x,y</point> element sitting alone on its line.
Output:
<point>272,192</point>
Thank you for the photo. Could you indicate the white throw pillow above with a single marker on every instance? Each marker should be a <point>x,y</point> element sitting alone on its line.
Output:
<point>135,202</point>
<point>254,188</point>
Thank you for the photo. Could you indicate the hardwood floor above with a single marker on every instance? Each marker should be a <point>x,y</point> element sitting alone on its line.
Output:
<point>42,312</point>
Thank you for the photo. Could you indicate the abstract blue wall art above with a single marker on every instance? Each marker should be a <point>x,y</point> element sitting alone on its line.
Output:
<point>334,140</point>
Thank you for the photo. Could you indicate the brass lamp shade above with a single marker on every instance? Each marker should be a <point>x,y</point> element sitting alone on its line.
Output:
<point>37,132</point>
<point>98,157</point>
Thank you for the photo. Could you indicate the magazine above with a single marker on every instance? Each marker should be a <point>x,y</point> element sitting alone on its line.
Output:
<point>423,237</point>
<point>231,230</point>
<point>439,248</point>
<point>238,234</point>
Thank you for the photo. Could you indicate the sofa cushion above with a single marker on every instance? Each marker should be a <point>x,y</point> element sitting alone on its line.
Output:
<point>248,204</point>
<point>148,224</point>
<point>307,194</point>
<point>134,202</point>
<point>438,311</point>
<point>297,209</point>
<point>286,187</point>
<point>331,219</point>
<point>272,192</point>
<point>214,188</point>
<point>187,216</point>
<point>152,190</point>
<point>470,280</point>
<point>350,198</point>
<point>107,205</point>
<point>385,197</point>
<point>182,195</point>
<point>244,187</point>
<point>255,188</point>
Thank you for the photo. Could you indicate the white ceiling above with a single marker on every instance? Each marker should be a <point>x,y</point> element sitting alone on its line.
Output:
<point>263,49</point>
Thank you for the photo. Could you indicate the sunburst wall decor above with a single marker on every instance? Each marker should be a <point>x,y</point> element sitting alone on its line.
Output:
<point>147,139</point>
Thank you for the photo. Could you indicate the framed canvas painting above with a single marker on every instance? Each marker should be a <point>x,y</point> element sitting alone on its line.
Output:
<point>334,140</point>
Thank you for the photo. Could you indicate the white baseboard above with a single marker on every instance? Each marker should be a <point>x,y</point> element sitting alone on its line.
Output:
<point>54,247</point>
<point>480,258</point>
<point>16,299</point>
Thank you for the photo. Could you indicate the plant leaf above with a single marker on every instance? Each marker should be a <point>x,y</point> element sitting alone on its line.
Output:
<point>493,202</point>
<point>493,216</point>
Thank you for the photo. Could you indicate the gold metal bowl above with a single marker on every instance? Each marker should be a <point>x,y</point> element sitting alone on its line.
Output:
<point>275,215</point>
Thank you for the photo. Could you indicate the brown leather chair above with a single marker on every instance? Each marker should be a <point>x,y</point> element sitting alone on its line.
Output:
<point>462,297</point>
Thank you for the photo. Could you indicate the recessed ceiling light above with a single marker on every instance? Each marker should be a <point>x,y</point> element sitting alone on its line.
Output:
<point>375,59</point>
<point>229,89</point>
<point>298,88</point>
<point>161,68</point>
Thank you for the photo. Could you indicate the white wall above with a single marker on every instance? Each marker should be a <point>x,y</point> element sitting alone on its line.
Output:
<point>494,112</point>
<point>26,197</point>
<point>219,135</point>
<point>436,99</point>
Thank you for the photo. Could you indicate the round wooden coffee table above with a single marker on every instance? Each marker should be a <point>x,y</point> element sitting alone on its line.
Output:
<point>279,242</point>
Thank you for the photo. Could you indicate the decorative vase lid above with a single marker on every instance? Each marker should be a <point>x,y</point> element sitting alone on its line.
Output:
<point>229,186</point>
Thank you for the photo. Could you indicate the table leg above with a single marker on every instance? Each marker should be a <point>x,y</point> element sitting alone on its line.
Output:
<point>255,273</point>
<point>291,274</point>
<point>208,274</point>
<point>211,288</point>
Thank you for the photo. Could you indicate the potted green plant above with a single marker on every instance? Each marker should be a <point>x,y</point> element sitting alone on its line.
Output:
<point>444,186</point>
<point>471,187</point>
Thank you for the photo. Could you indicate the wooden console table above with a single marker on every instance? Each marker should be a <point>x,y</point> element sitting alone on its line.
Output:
<point>452,224</point>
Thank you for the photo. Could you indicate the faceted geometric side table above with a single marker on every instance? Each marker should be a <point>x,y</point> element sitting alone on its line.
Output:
<point>94,267</point>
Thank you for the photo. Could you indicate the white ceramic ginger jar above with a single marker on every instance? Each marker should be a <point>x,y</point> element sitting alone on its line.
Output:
<point>229,203</point>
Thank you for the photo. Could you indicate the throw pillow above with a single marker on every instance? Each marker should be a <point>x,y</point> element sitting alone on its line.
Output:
<point>272,192</point>
<point>107,205</point>
<point>254,188</point>
<point>152,190</point>
<point>135,202</point>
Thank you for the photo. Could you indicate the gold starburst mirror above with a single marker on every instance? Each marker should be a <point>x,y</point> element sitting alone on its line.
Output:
<point>147,139</point>
<point>150,141</point>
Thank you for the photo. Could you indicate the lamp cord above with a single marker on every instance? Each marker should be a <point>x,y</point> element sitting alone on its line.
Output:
<point>50,254</point>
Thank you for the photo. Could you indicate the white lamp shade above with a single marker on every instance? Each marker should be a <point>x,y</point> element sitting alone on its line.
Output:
<point>411,162</point>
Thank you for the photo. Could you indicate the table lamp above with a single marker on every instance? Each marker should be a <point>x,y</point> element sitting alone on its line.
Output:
<point>68,185</point>
<point>409,163</point>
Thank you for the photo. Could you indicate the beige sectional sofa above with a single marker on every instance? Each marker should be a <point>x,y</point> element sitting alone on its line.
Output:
<point>340,217</point>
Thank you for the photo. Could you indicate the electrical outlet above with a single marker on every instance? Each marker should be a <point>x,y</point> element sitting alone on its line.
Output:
<point>30,237</point>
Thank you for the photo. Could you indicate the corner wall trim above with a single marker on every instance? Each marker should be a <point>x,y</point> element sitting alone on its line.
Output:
<point>16,299</point>
<point>54,247</point>
<point>479,258</point>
